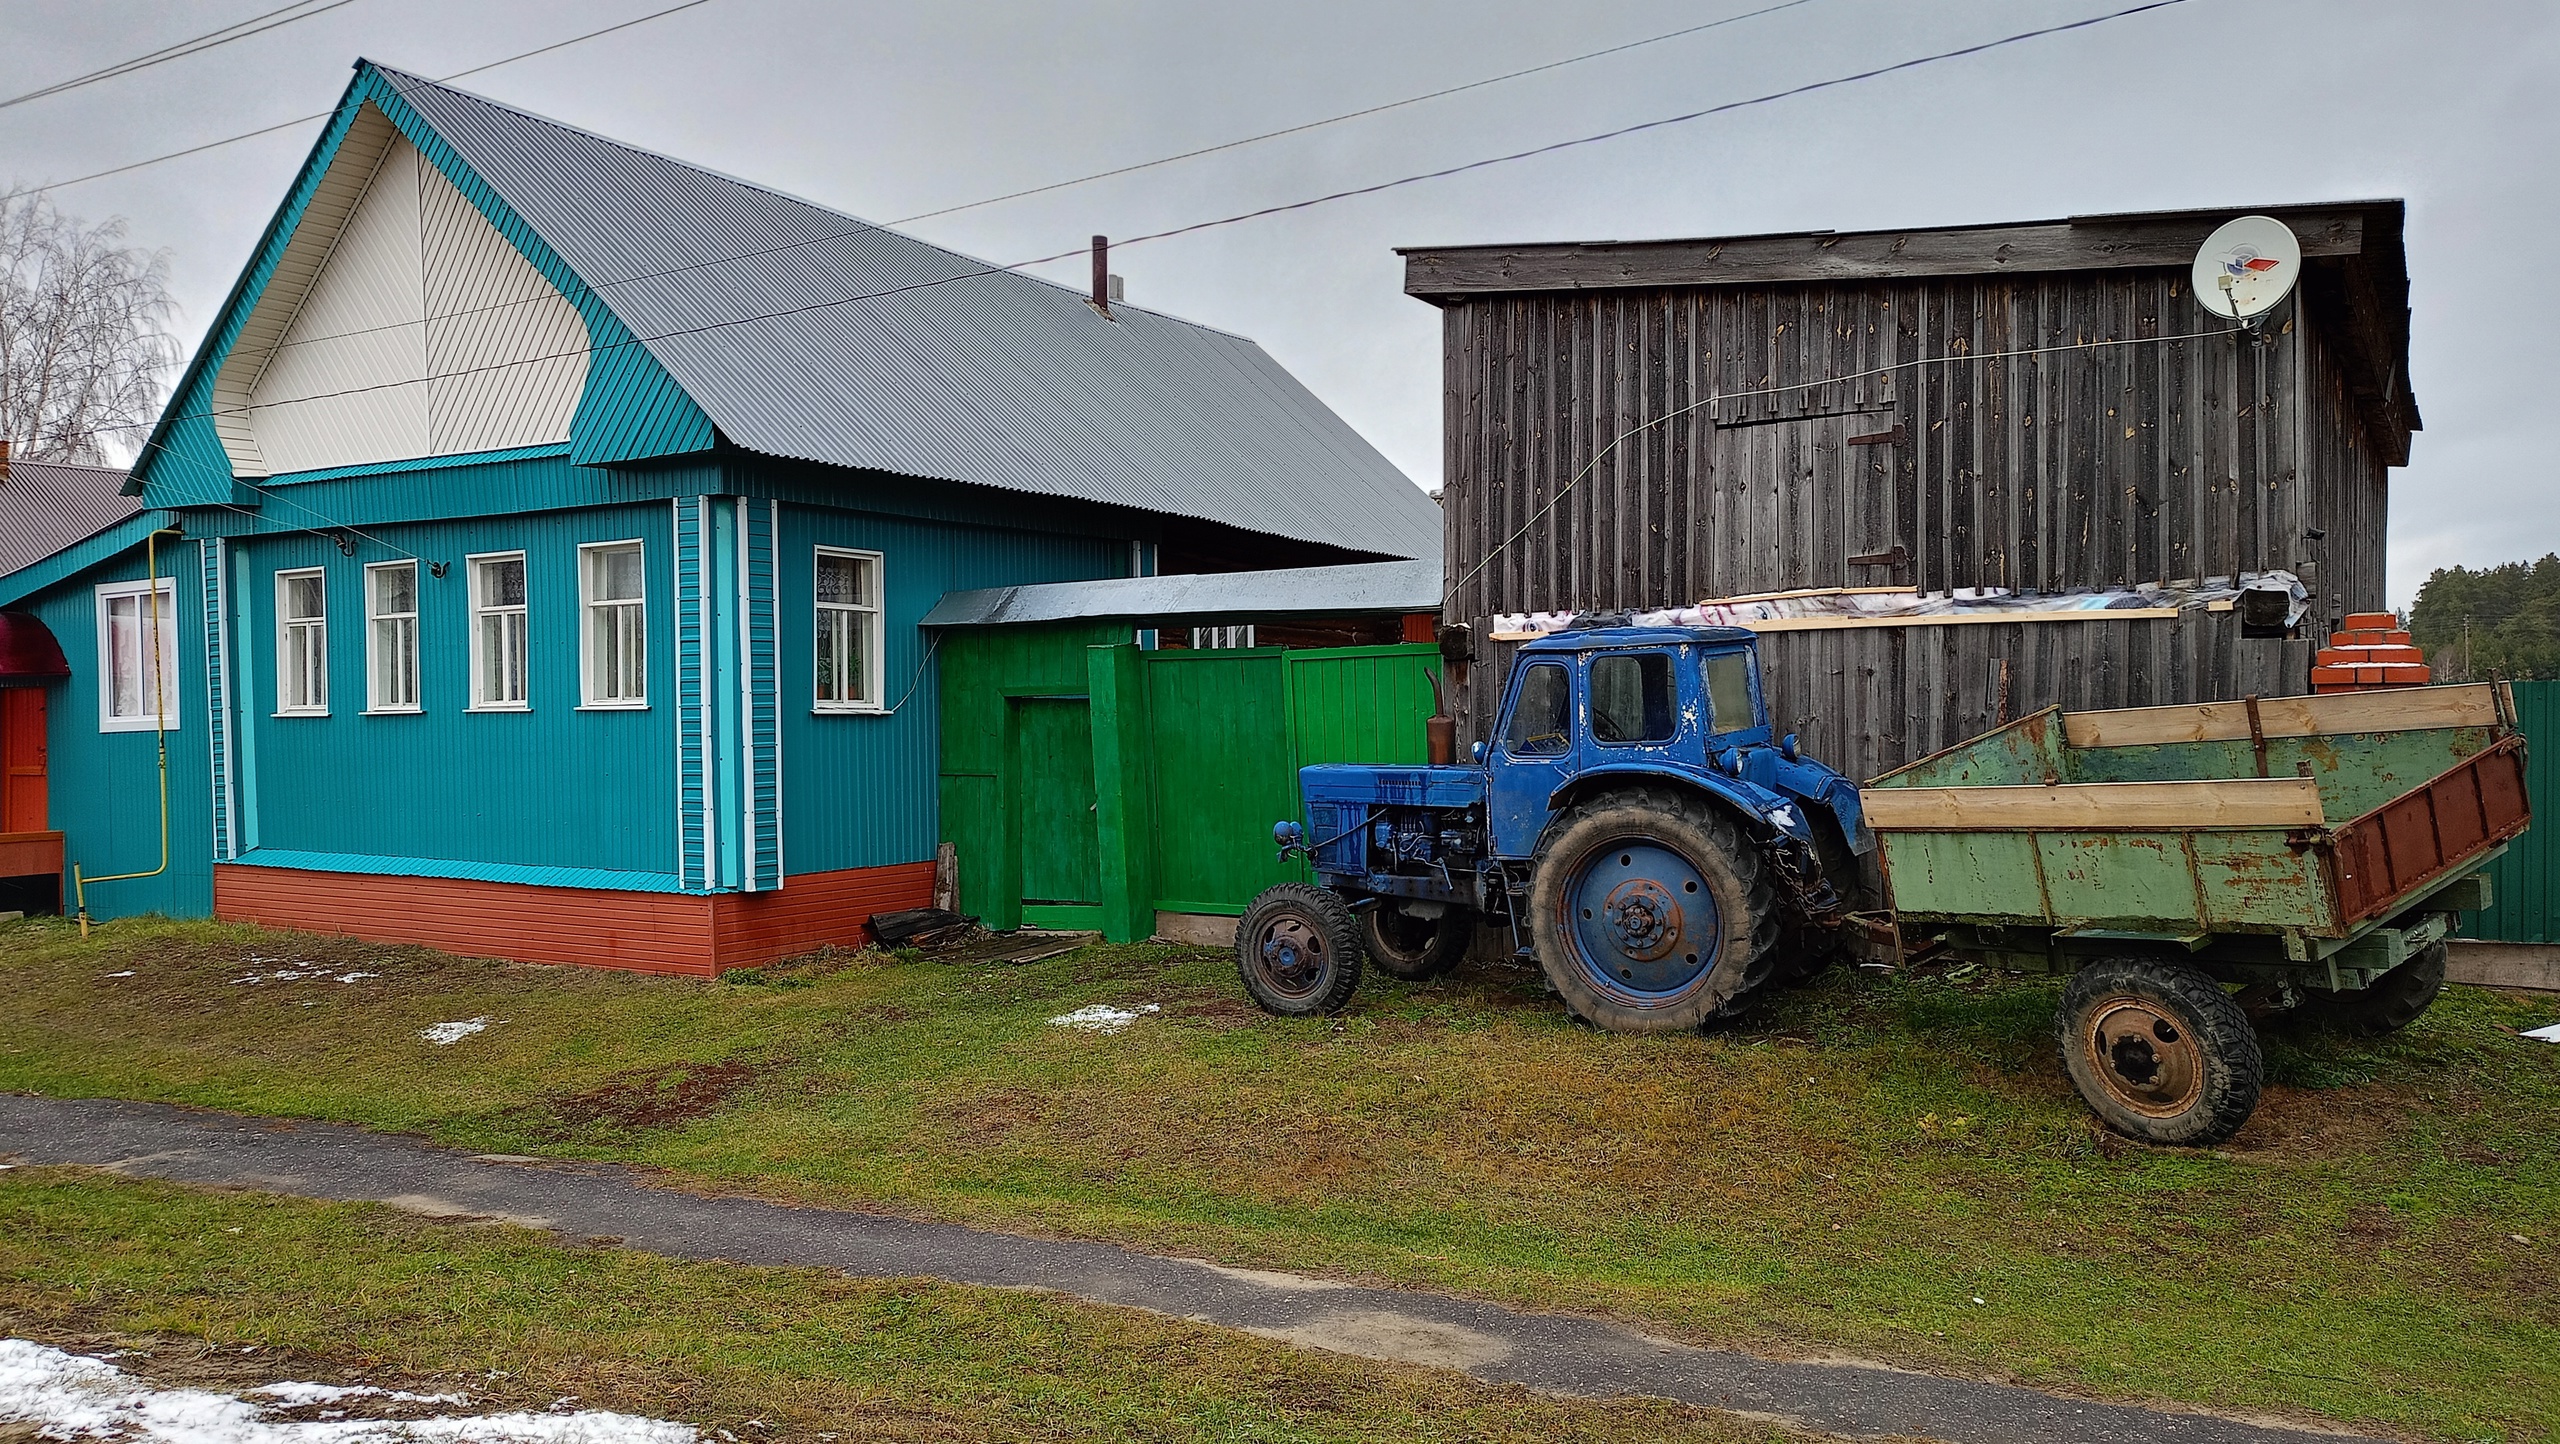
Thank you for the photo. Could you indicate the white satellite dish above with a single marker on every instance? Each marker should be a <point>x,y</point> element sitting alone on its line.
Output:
<point>2246,267</point>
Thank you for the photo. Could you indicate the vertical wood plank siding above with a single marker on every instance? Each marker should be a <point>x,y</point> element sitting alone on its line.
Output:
<point>1790,439</point>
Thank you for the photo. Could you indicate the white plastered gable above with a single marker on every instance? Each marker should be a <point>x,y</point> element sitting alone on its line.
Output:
<point>398,325</point>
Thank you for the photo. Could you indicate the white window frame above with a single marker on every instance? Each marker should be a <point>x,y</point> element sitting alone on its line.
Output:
<point>479,609</point>
<point>374,619</point>
<point>874,703</point>
<point>166,591</point>
<point>588,605</point>
<point>318,627</point>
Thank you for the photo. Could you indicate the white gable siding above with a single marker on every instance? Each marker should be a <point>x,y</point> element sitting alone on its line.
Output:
<point>424,333</point>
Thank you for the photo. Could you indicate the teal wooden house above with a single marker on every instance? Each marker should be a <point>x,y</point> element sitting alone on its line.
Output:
<point>530,560</point>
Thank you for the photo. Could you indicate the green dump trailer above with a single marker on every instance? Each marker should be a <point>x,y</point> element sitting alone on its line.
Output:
<point>2191,867</point>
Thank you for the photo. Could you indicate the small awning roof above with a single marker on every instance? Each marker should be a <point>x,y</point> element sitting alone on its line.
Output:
<point>28,652</point>
<point>1365,589</point>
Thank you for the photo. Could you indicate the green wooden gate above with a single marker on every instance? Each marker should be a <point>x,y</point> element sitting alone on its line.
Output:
<point>1192,756</point>
<point>2524,885</point>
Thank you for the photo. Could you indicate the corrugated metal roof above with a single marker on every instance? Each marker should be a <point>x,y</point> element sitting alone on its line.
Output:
<point>1368,588</point>
<point>46,506</point>
<point>1001,380</point>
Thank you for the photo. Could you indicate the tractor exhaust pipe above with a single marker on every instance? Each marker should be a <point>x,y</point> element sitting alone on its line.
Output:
<point>1439,730</point>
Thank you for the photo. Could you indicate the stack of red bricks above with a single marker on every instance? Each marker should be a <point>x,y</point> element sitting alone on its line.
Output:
<point>2370,651</point>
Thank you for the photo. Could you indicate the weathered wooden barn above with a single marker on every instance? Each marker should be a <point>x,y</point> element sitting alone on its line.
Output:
<point>2039,406</point>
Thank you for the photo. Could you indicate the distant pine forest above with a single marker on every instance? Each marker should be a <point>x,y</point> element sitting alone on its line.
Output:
<point>2493,622</point>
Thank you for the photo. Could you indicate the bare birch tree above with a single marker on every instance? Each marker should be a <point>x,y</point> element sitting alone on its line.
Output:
<point>85,350</point>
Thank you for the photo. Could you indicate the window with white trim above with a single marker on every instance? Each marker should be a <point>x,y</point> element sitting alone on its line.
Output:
<point>302,643</point>
<point>848,630</point>
<point>137,656</point>
<point>614,643</point>
<point>391,636</point>
<point>498,633</point>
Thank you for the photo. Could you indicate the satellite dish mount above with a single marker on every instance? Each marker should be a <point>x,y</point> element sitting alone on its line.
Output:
<point>2246,268</point>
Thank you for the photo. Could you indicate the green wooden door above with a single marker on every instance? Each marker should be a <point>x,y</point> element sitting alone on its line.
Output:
<point>2524,885</point>
<point>1219,743</point>
<point>1053,807</point>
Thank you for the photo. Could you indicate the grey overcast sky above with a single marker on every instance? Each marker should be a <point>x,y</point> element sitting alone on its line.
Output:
<point>887,110</point>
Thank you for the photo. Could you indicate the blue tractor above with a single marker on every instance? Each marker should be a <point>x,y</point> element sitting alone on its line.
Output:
<point>1634,825</point>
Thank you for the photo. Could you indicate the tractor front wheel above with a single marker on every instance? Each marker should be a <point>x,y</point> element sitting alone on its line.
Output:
<point>1298,951</point>
<point>1412,948</point>
<point>1652,913</point>
<point>2159,1051</point>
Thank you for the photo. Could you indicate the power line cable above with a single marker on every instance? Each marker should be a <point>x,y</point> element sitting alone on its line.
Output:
<point>1306,126</point>
<point>325,114</point>
<point>867,226</point>
<point>994,270</point>
<point>179,50</point>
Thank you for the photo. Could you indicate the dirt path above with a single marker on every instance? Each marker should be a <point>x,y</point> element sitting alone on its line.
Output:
<point>1556,1352</point>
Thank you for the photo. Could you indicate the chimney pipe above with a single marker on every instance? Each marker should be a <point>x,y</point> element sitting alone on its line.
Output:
<point>1102,274</point>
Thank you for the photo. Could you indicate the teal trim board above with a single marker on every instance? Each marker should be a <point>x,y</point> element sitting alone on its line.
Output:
<point>368,865</point>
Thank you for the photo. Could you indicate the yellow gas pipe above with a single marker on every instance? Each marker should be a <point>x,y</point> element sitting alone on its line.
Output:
<point>159,718</point>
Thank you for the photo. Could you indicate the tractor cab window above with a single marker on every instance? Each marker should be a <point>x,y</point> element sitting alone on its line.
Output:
<point>1729,691</point>
<point>1541,721</point>
<point>1633,698</point>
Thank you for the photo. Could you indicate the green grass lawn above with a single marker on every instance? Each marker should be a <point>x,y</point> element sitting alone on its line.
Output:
<point>1848,1171</point>
<point>346,1293</point>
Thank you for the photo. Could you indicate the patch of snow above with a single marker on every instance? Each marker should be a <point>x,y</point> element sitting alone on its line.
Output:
<point>1103,1018</point>
<point>2544,1035</point>
<point>294,1394</point>
<point>280,975</point>
<point>356,977</point>
<point>127,973</point>
<point>68,1397</point>
<point>443,1034</point>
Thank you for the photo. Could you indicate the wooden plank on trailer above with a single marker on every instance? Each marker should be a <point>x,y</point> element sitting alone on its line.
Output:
<point>1950,619</point>
<point>2398,709</point>
<point>2097,806</point>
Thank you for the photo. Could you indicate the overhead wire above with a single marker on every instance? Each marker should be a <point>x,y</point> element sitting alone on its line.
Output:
<point>1361,113</point>
<point>227,140</point>
<point>865,227</point>
<point>180,50</point>
<point>1195,227</point>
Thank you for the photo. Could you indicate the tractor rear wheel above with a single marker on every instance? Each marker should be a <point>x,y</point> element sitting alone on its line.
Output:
<point>1298,951</point>
<point>1652,913</point>
<point>1413,948</point>
<point>2159,1051</point>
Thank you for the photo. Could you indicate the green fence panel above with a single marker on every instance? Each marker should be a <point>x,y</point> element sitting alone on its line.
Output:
<point>1220,753</point>
<point>2524,885</point>
<point>1228,731</point>
<point>1361,704</point>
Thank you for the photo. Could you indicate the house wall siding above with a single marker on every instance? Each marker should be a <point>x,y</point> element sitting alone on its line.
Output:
<point>104,787</point>
<point>553,786</point>
<point>860,790</point>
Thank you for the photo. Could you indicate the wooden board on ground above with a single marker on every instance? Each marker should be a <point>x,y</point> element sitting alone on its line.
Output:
<point>1015,948</point>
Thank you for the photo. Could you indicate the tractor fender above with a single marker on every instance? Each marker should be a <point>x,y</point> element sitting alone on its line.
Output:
<point>1756,807</point>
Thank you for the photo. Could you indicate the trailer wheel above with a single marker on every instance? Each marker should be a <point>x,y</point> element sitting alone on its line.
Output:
<point>1415,949</point>
<point>1651,912</point>
<point>2393,1001</point>
<point>2159,1051</point>
<point>1298,951</point>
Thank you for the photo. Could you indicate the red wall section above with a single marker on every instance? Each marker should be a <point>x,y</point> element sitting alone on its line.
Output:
<point>647,932</point>
<point>813,909</point>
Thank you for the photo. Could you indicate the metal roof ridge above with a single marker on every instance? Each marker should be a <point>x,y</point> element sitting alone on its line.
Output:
<point>994,268</point>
